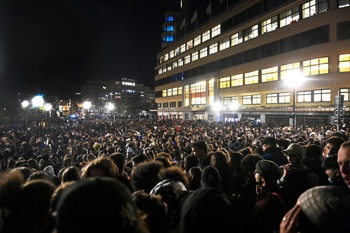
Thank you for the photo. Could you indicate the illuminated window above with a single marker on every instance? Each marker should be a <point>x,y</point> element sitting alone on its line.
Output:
<point>225,43</point>
<point>251,77</point>
<point>289,16</point>
<point>170,92</point>
<point>278,98</point>
<point>189,45</point>
<point>174,91</point>
<point>224,82</point>
<point>216,31</point>
<point>161,59</point>
<point>166,57</point>
<point>180,62</point>
<point>304,96</point>
<point>169,28</point>
<point>164,69</point>
<point>237,38</point>
<point>345,93</point>
<point>169,67</point>
<point>315,66</point>
<point>177,51</point>
<point>197,40</point>
<point>251,32</point>
<point>211,84</point>
<point>344,63</point>
<point>169,19</point>
<point>206,36</point>
<point>164,93</point>
<point>233,100</point>
<point>160,71</point>
<point>187,59</point>
<point>322,95</point>
<point>168,38</point>
<point>344,3</point>
<point>195,56</point>
<point>128,83</point>
<point>182,48</point>
<point>269,25</point>
<point>174,64</point>
<point>213,48</point>
<point>286,70</point>
<point>269,74</point>
<point>314,7</point>
<point>203,52</point>
<point>251,99</point>
<point>237,80</point>
<point>198,93</point>
<point>179,90</point>
<point>186,95</point>
<point>172,54</point>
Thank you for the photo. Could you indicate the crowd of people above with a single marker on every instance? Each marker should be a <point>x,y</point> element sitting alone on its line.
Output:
<point>173,176</point>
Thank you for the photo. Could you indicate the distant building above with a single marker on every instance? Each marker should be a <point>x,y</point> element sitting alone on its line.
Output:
<point>230,61</point>
<point>123,93</point>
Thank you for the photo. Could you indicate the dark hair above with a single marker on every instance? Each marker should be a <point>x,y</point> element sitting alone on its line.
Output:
<point>200,145</point>
<point>71,173</point>
<point>146,175</point>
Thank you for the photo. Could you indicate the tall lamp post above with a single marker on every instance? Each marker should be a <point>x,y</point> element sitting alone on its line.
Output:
<point>294,80</point>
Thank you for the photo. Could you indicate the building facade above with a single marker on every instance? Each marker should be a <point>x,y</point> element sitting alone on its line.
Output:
<point>278,62</point>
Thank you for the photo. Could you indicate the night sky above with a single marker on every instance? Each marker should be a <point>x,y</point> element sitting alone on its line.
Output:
<point>51,47</point>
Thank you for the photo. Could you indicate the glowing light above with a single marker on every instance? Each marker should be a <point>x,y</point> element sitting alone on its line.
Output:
<point>37,101</point>
<point>25,103</point>
<point>87,105</point>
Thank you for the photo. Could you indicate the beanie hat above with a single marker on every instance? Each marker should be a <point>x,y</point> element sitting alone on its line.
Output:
<point>268,169</point>
<point>327,207</point>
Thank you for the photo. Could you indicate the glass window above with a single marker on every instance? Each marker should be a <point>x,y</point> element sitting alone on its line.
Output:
<point>203,52</point>
<point>187,59</point>
<point>174,64</point>
<point>177,51</point>
<point>256,99</point>
<point>197,40</point>
<point>169,67</point>
<point>180,62</point>
<point>269,74</point>
<point>211,90</point>
<point>166,57</point>
<point>237,80</point>
<point>179,90</point>
<point>284,98</point>
<point>251,32</point>
<point>344,3</point>
<point>213,48</point>
<point>164,69</point>
<point>172,104</point>
<point>224,82</point>
<point>195,56</point>
<point>237,38</point>
<point>174,91</point>
<point>272,98</point>
<point>251,77</point>
<point>169,19</point>
<point>314,7</point>
<point>216,31</point>
<point>286,70</point>
<point>198,93</point>
<point>161,59</point>
<point>225,43</point>
<point>289,16</point>
<point>165,105</point>
<point>315,66</point>
<point>164,93</point>
<point>182,48</point>
<point>278,98</point>
<point>189,45</point>
<point>344,63</point>
<point>170,92</point>
<point>304,96</point>
<point>269,25</point>
<point>206,36</point>
<point>160,71</point>
<point>345,93</point>
<point>233,100</point>
<point>187,95</point>
<point>251,99</point>
<point>322,95</point>
<point>247,100</point>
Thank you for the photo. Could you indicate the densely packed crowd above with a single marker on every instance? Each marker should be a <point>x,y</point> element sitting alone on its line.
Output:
<point>165,176</point>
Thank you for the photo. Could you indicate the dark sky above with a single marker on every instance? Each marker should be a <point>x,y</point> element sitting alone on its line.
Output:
<point>51,47</point>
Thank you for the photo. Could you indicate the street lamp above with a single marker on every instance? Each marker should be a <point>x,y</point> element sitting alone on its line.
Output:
<point>294,79</point>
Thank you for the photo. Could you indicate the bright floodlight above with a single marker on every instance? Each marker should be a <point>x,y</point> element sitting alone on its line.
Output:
<point>217,107</point>
<point>48,107</point>
<point>110,106</point>
<point>87,105</point>
<point>294,78</point>
<point>37,101</point>
<point>25,103</point>
<point>234,106</point>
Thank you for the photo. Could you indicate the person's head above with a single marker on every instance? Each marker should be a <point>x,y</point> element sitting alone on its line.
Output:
<point>332,146</point>
<point>200,149</point>
<point>330,164</point>
<point>344,162</point>
<point>294,153</point>
<point>210,177</point>
<point>146,175</point>
<point>266,172</point>
<point>176,173</point>
<point>248,164</point>
<point>269,142</point>
<point>119,160</point>
<point>190,161</point>
<point>71,173</point>
<point>97,204</point>
<point>324,209</point>
<point>313,153</point>
<point>101,167</point>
